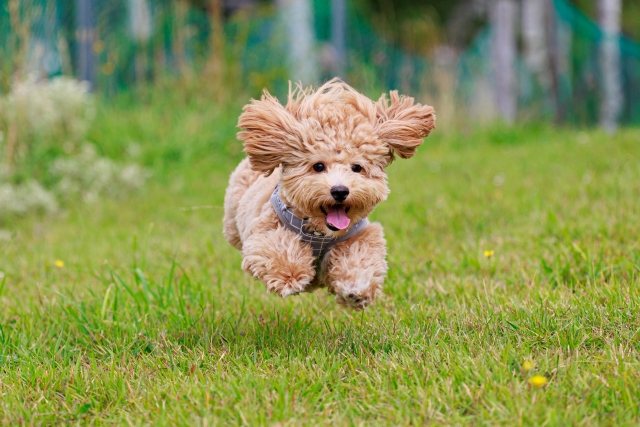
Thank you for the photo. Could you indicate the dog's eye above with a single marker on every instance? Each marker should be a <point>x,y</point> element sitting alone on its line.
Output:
<point>356,168</point>
<point>318,167</point>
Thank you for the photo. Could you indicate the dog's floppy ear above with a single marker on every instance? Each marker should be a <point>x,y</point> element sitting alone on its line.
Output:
<point>270,131</point>
<point>402,124</point>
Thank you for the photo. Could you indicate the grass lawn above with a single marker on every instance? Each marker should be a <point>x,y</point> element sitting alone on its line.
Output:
<point>152,322</point>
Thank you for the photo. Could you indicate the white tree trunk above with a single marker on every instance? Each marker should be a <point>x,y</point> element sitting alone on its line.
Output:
<point>140,28</point>
<point>503,20</point>
<point>140,20</point>
<point>338,34</point>
<point>610,64</point>
<point>536,54</point>
<point>297,18</point>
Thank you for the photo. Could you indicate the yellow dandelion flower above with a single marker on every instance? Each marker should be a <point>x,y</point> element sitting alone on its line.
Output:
<point>538,381</point>
<point>58,263</point>
<point>527,365</point>
<point>489,253</point>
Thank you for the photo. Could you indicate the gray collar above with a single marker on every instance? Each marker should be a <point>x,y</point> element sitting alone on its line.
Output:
<point>320,244</point>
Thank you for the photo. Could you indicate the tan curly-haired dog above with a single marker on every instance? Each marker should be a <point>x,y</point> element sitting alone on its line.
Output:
<point>297,207</point>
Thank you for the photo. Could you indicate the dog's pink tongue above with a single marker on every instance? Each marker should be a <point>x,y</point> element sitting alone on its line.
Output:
<point>337,217</point>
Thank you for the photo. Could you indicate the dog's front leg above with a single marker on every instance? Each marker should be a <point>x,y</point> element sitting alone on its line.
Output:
<point>354,270</point>
<point>278,257</point>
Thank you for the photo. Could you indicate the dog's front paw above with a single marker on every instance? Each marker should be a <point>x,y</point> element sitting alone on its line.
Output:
<point>280,260</point>
<point>283,281</point>
<point>355,297</point>
<point>352,300</point>
<point>287,283</point>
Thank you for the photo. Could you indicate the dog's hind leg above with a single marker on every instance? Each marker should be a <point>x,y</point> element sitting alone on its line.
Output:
<point>241,179</point>
<point>277,256</point>
<point>355,269</point>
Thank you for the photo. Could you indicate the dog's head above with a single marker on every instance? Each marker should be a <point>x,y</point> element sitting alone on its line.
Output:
<point>332,146</point>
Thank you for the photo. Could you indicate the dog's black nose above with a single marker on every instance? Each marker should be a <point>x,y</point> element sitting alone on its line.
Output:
<point>339,193</point>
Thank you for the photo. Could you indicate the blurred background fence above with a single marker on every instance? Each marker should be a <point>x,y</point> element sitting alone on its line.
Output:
<point>527,60</point>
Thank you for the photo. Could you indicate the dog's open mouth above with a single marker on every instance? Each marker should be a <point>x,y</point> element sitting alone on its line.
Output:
<point>336,217</point>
